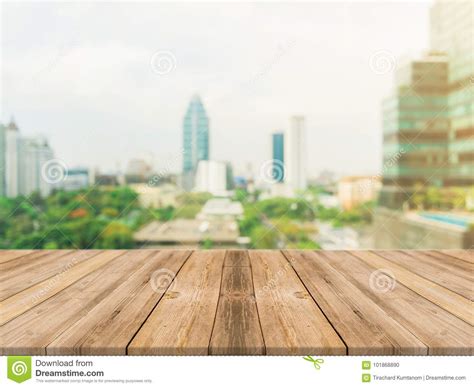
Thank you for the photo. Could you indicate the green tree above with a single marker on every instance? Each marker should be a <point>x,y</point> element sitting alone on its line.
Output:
<point>116,236</point>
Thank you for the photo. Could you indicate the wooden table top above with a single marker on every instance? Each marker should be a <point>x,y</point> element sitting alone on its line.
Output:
<point>237,302</point>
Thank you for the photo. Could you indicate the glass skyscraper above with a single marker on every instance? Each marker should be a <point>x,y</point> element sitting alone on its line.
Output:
<point>428,121</point>
<point>195,135</point>
<point>452,32</point>
<point>278,156</point>
<point>415,130</point>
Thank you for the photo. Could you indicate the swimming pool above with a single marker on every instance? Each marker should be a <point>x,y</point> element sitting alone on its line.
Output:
<point>449,219</point>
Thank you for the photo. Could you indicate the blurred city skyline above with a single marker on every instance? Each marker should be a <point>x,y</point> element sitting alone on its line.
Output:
<point>92,84</point>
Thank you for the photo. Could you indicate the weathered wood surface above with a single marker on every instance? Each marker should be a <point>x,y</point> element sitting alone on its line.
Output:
<point>236,302</point>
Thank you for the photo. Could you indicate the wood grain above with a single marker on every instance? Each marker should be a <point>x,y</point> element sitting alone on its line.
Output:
<point>457,276</point>
<point>442,332</point>
<point>32,296</point>
<point>237,327</point>
<point>182,322</point>
<point>174,302</point>
<point>363,325</point>
<point>12,254</point>
<point>448,300</point>
<point>27,271</point>
<point>109,326</point>
<point>291,322</point>
<point>461,254</point>
<point>35,329</point>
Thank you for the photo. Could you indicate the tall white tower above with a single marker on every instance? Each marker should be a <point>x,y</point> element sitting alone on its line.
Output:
<point>295,154</point>
<point>11,159</point>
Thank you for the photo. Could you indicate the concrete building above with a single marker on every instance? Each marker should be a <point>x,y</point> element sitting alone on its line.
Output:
<point>221,209</point>
<point>2,160</point>
<point>295,154</point>
<point>356,190</point>
<point>33,154</point>
<point>137,171</point>
<point>157,196</point>
<point>21,163</point>
<point>76,179</point>
<point>214,177</point>
<point>12,141</point>
<point>189,233</point>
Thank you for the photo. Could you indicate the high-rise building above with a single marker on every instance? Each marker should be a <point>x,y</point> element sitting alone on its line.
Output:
<point>12,160</point>
<point>21,163</point>
<point>295,154</point>
<point>429,121</point>
<point>452,32</point>
<point>34,154</point>
<point>195,135</point>
<point>415,130</point>
<point>278,169</point>
<point>214,177</point>
<point>2,160</point>
<point>195,139</point>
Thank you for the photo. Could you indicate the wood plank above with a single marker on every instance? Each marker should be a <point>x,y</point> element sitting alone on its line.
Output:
<point>440,272</point>
<point>109,327</point>
<point>12,254</point>
<point>209,308</point>
<point>442,332</point>
<point>461,254</point>
<point>32,296</point>
<point>237,328</point>
<point>25,272</point>
<point>450,301</point>
<point>237,258</point>
<point>441,258</point>
<point>363,325</point>
<point>183,320</point>
<point>292,323</point>
<point>31,332</point>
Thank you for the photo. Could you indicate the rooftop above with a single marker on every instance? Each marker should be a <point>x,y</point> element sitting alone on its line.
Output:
<point>188,231</point>
<point>221,207</point>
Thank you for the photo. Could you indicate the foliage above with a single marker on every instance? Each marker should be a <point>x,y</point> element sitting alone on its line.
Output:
<point>94,218</point>
<point>189,211</point>
<point>207,244</point>
<point>263,237</point>
<point>435,198</point>
<point>193,198</point>
<point>285,207</point>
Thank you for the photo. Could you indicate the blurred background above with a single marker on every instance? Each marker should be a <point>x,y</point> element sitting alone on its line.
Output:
<point>324,125</point>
